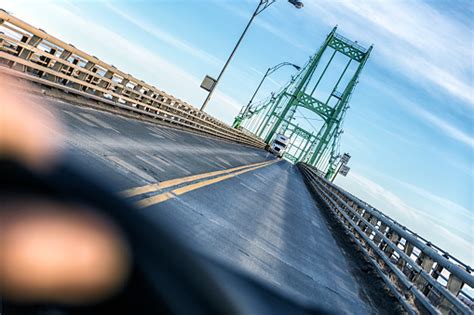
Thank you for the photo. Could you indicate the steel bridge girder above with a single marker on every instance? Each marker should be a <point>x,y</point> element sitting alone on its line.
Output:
<point>346,48</point>
<point>314,105</point>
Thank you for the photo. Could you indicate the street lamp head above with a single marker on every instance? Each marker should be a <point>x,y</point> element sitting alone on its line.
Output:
<point>296,3</point>
<point>297,67</point>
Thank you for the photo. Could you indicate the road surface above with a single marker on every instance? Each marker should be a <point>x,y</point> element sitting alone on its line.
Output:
<point>234,203</point>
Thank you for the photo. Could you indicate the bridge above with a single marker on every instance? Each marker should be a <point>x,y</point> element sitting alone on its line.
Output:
<point>282,221</point>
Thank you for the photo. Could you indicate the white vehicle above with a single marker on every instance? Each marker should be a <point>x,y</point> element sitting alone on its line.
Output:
<point>278,145</point>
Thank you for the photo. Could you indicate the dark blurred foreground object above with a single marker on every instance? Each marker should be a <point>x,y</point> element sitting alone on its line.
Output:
<point>158,276</point>
<point>70,246</point>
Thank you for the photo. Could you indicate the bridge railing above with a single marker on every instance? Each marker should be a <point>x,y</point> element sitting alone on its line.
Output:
<point>422,276</point>
<point>30,53</point>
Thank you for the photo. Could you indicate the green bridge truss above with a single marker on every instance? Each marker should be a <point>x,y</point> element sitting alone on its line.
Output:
<point>317,147</point>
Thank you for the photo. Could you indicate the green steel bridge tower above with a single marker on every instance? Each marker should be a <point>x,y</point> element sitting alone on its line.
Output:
<point>323,87</point>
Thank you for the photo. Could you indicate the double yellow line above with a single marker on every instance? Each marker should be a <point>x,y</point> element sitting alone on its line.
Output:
<point>224,174</point>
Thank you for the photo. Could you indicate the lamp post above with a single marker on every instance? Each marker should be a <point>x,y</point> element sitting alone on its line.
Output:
<point>242,114</point>
<point>263,4</point>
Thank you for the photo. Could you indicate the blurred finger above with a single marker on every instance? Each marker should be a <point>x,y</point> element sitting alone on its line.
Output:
<point>57,252</point>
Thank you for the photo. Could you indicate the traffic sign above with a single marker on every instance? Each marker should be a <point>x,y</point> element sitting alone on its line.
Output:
<point>208,83</point>
<point>344,170</point>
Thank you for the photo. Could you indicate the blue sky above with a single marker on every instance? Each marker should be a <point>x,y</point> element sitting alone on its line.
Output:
<point>410,126</point>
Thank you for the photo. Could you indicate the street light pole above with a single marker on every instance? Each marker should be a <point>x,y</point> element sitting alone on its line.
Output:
<point>242,114</point>
<point>269,71</point>
<point>263,4</point>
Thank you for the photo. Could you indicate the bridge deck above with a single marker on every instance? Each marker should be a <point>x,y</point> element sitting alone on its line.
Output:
<point>264,220</point>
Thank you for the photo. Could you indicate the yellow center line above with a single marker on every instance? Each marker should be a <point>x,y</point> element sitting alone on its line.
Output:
<point>177,181</point>
<point>182,190</point>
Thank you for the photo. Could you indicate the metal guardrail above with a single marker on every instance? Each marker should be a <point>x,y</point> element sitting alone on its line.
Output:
<point>32,54</point>
<point>423,277</point>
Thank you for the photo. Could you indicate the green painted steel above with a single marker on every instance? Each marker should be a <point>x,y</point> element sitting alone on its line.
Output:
<point>318,147</point>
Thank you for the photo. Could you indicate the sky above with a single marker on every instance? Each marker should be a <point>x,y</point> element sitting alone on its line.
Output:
<point>409,128</point>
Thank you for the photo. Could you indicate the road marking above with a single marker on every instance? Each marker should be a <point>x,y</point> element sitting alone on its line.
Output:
<point>155,130</point>
<point>248,187</point>
<point>186,172</point>
<point>131,168</point>
<point>99,122</point>
<point>163,132</point>
<point>161,160</point>
<point>155,199</point>
<point>223,161</point>
<point>218,164</point>
<point>263,179</point>
<point>156,135</point>
<point>182,190</point>
<point>151,129</point>
<point>149,162</point>
<point>169,134</point>
<point>83,120</point>
<point>177,181</point>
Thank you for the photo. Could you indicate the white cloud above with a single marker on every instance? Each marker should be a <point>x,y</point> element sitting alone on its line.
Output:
<point>223,105</point>
<point>445,127</point>
<point>275,30</point>
<point>426,46</point>
<point>165,36</point>
<point>444,232</point>
<point>381,198</point>
<point>437,208</point>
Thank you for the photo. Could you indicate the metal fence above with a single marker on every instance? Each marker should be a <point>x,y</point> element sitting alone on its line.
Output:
<point>32,54</point>
<point>423,277</point>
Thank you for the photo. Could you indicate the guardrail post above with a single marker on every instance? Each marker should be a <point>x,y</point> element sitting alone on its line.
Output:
<point>454,286</point>
<point>155,103</point>
<point>437,271</point>
<point>394,238</point>
<point>353,215</point>
<point>46,61</point>
<point>357,210</point>
<point>83,75</point>
<point>137,88</point>
<point>377,238</point>
<point>361,224</point>
<point>350,203</point>
<point>147,100</point>
<point>341,216</point>
<point>426,264</point>
<point>58,66</point>
<point>69,70</point>
<point>408,250</point>
<point>104,84</point>
<point>119,89</point>
<point>373,221</point>
<point>1,39</point>
<point>168,102</point>
<point>25,53</point>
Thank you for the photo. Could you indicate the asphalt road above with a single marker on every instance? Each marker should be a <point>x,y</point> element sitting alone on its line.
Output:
<point>261,219</point>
